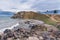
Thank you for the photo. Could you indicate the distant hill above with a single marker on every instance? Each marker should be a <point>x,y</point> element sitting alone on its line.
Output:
<point>52,12</point>
<point>6,13</point>
<point>47,18</point>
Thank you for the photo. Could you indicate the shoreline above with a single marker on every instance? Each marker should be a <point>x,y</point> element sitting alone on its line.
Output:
<point>35,22</point>
<point>9,27</point>
<point>38,31</point>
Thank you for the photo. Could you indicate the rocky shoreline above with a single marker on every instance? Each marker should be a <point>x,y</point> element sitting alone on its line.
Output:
<point>38,30</point>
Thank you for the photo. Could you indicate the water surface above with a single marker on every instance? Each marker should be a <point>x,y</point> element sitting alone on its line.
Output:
<point>6,22</point>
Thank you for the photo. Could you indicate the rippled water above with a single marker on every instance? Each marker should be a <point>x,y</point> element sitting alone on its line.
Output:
<point>6,22</point>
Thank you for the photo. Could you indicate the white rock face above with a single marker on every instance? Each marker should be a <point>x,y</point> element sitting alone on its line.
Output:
<point>32,38</point>
<point>41,38</point>
<point>24,23</point>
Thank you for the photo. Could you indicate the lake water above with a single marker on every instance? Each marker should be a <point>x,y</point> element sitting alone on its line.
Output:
<point>6,22</point>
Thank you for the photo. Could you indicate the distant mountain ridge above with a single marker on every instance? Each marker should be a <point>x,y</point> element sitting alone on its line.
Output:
<point>6,13</point>
<point>52,11</point>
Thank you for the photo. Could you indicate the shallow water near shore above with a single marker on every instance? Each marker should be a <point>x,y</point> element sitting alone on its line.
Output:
<point>7,22</point>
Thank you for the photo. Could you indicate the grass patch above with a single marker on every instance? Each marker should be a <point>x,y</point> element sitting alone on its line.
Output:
<point>49,21</point>
<point>46,19</point>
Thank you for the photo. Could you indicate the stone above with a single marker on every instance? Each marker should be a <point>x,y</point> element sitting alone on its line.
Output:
<point>7,31</point>
<point>32,38</point>
<point>4,37</point>
<point>10,35</point>
<point>40,38</point>
<point>9,38</point>
<point>0,37</point>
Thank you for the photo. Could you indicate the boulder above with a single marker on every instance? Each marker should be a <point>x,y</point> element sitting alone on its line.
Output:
<point>7,31</point>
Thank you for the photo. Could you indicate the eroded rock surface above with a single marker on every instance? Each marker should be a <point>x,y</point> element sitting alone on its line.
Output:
<point>31,30</point>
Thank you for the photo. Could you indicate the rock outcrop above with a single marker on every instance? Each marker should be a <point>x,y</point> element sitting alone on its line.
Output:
<point>38,31</point>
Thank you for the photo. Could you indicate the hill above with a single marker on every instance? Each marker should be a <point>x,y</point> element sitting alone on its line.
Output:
<point>47,18</point>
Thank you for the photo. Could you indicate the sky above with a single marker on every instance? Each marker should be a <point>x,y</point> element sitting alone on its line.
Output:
<point>34,5</point>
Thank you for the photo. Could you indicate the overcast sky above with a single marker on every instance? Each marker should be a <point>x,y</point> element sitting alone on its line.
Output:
<point>18,5</point>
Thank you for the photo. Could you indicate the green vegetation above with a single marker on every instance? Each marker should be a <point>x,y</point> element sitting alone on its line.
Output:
<point>49,21</point>
<point>46,19</point>
<point>38,16</point>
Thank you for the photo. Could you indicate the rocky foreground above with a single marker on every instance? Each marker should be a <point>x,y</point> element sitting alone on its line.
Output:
<point>31,30</point>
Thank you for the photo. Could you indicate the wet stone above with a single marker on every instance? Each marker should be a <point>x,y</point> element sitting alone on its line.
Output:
<point>7,31</point>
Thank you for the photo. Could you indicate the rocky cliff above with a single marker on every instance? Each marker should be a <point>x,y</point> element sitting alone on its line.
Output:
<point>38,31</point>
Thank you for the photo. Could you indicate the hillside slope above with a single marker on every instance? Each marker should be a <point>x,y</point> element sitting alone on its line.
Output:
<point>47,18</point>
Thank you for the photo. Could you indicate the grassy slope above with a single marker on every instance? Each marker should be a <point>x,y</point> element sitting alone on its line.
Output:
<point>35,15</point>
<point>42,17</point>
<point>46,19</point>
